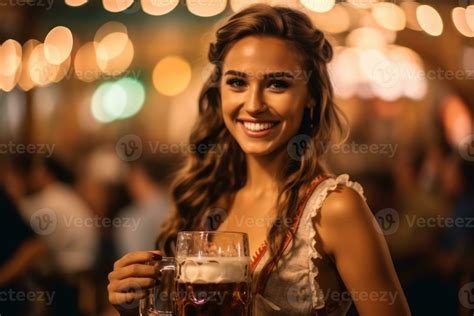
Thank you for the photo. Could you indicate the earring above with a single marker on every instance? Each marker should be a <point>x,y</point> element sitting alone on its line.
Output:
<point>311,116</point>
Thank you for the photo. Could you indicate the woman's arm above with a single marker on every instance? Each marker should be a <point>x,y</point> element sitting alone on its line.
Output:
<point>348,234</point>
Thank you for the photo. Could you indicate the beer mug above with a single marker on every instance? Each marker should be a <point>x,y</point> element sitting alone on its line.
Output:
<point>160,299</point>
<point>213,274</point>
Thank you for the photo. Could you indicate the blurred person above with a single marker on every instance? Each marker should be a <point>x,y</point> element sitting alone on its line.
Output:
<point>253,106</point>
<point>430,256</point>
<point>65,223</point>
<point>74,239</point>
<point>21,250</point>
<point>99,171</point>
<point>417,196</point>
<point>455,258</point>
<point>147,186</point>
<point>100,182</point>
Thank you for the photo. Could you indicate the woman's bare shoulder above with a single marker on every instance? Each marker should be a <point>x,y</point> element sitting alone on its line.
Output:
<point>351,236</point>
<point>343,211</point>
<point>343,202</point>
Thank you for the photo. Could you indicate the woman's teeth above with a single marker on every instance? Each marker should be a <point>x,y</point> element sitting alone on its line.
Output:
<point>257,127</point>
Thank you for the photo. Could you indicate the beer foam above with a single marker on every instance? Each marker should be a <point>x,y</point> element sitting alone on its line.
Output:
<point>213,269</point>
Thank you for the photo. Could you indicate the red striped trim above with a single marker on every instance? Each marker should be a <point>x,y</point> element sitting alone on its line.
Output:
<point>258,256</point>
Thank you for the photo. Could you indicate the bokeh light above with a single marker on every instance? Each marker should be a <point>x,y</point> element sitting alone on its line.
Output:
<point>63,70</point>
<point>40,70</point>
<point>116,5</point>
<point>344,75</point>
<point>430,20</point>
<point>171,75</point>
<point>58,45</point>
<point>116,100</point>
<point>319,5</point>
<point>387,72</point>
<point>409,7</point>
<point>456,119</point>
<point>114,49</point>
<point>109,28</point>
<point>25,81</point>
<point>470,16</point>
<point>459,19</point>
<point>101,100</point>
<point>10,64</point>
<point>335,21</point>
<point>389,16</point>
<point>363,4</point>
<point>366,37</point>
<point>85,63</point>
<point>206,8</point>
<point>111,46</point>
<point>411,70</point>
<point>382,74</point>
<point>10,59</point>
<point>135,96</point>
<point>117,65</point>
<point>75,3</point>
<point>154,7</point>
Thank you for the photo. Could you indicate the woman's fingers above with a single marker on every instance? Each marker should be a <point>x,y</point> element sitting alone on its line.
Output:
<point>135,270</point>
<point>130,279</point>
<point>137,257</point>
<point>134,284</point>
<point>125,300</point>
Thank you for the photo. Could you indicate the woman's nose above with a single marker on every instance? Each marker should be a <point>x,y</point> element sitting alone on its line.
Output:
<point>254,102</point>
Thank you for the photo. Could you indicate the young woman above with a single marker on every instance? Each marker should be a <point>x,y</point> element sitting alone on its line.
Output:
<point>269,109</point>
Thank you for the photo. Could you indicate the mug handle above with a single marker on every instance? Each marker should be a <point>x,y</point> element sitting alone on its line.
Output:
<point>148,305</point>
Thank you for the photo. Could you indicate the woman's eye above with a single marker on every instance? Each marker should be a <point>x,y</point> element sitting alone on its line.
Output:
<point>279,84</point>
<point>236,83</point>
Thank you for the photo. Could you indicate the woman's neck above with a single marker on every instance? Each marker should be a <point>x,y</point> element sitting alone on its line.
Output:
<point>263,173</point>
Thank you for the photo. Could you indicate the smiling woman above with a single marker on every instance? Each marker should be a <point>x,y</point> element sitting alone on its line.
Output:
<point>315,248</point>
<point>263,105</point>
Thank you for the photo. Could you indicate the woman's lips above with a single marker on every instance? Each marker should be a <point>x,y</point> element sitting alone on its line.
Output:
<point>257,129</point>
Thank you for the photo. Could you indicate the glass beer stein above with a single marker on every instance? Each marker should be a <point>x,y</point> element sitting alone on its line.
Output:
<point>212,274</point>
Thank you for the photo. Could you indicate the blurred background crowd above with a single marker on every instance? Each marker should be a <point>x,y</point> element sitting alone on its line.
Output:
<point>97,99</point>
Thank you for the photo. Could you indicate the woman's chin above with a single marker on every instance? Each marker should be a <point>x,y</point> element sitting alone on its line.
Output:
<point>258,150</point>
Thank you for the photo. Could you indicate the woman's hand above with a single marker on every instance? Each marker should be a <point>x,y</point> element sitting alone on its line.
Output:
<point>130,279</point>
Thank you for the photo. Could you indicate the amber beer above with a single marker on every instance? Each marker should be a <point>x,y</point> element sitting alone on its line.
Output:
<point>213,286</point>
<point>215,299</point>
<point>212,274</point>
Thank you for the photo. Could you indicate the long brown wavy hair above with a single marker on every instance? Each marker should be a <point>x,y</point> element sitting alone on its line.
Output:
<point>209,175</point>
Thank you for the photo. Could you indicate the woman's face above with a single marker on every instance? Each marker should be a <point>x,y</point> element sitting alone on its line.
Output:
<point>263,93</point>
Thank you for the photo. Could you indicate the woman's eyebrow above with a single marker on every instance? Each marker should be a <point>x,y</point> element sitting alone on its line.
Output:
<point>279,74</point>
